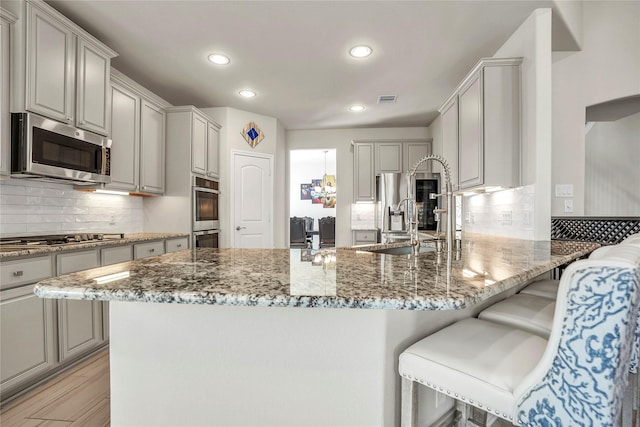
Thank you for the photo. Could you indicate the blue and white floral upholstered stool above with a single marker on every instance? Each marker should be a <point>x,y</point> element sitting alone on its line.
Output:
<point>575,378</point>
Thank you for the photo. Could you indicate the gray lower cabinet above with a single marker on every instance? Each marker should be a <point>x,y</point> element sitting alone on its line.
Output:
<point>27,324</point>
<point>173,245</point>
<point>27,329</point>
<point>144,250</point>
<point>112,256</point>
<point>79,321</point>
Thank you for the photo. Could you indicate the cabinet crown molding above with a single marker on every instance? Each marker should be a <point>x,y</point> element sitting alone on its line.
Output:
<point>8,16</point>
<point>482,63</point>
<point>195,110</point>
<point>132,85</point>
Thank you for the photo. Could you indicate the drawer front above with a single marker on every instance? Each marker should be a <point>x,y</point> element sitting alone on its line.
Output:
<point>368,236</point>
<point>177,244</point>
<point>77,261</point>
<point>25,271</point>
<point>117,254</point>
<point>144,250</point>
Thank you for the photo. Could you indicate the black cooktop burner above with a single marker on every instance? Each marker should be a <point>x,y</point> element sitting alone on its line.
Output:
<point>59,239</point>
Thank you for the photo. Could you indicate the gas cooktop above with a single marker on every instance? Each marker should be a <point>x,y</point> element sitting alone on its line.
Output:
<point>57,239</point>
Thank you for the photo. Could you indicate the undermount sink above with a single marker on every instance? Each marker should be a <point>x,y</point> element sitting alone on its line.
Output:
<point>403,250</point>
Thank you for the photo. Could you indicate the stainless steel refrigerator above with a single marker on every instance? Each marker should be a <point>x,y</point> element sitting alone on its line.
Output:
<point>393,188</point>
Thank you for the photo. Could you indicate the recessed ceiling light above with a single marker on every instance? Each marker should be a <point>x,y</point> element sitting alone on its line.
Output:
<point>247,93</point>
<point>218,58</point>
<point>356,108</point>
<point>360,51</point>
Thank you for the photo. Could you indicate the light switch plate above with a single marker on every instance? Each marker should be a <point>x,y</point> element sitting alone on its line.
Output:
<point>564,190</point>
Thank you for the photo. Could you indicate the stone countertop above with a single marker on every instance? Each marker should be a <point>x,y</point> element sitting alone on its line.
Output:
<point>7,254</point>
<point>341,278</point>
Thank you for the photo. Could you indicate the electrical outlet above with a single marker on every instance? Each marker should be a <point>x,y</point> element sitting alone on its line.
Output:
<point>568,205</point>
<point>467,218</point>
<point>112,219</point>
<point>526,218</point>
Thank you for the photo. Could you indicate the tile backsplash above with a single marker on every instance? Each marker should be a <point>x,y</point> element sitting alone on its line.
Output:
<point>507,213</point>
<point>31,207</point>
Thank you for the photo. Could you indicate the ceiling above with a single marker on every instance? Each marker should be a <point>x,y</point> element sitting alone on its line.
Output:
<point>294,54</point>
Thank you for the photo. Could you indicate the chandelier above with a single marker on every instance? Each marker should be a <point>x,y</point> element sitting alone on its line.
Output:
<point>328,189</point>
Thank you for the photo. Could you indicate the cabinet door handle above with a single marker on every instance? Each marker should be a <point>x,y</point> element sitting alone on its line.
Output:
<point>18,273</point>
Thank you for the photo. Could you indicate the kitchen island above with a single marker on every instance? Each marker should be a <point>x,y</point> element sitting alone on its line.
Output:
<point>289,337</point>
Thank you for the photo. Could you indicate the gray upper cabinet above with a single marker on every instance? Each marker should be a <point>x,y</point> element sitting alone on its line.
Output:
<point>93,71</point>
<point>199,144</point>
<point>373,157</point>
<point>413,152</point>
<point>213,150</point>
<point>388,157</point>
<point>364,184</point>
<point>66,69</point>
<point>449,113</point>
<point>138,134</point>
<point>6,22</point>
<point>470,141</point>
<point>125,136</point>
<point>483,115</point>
<point>152,146</point>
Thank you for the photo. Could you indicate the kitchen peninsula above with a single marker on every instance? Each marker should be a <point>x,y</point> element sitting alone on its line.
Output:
<point>287,337</point>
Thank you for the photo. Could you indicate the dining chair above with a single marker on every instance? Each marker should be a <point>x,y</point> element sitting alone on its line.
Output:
<point>297,233</point>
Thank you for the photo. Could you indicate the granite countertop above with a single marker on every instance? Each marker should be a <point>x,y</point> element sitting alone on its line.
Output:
<point>6,254</point>
<point>341,278</point>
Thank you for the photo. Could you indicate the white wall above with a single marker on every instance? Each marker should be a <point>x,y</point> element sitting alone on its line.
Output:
<point>612,172</point>
<point>233,121</point>
<point>608,67</point>
<point>340,139</point>
<point>34,208</point>
<point>305,165</point>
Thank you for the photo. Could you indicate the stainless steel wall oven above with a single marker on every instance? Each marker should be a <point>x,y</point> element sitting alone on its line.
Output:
<point>206,220</point>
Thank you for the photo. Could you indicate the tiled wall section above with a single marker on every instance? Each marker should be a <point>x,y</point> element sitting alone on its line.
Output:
<point>507,213</point>
<point>31,208</point>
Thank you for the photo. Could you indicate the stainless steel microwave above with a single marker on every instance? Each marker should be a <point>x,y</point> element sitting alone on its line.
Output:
<point>46,149</point>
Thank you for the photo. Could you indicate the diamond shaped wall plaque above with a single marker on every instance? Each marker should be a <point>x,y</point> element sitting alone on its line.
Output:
<point>252,134</point>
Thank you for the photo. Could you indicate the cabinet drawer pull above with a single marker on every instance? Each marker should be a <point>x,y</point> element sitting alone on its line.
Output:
<point>18,273</point>
<point>152,250</point>
<point>179,245</point>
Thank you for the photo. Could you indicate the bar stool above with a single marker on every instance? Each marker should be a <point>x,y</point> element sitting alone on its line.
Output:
<point>546,288</point>
<point>573,378</point>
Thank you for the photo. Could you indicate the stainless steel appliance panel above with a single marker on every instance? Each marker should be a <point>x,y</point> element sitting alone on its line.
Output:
<point>206,239</point>
<point>205,204</point>
<point>392,189</point>
<point>44,148</point>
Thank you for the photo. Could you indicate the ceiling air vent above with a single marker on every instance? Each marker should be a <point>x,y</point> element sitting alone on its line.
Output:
<point>387,99</point>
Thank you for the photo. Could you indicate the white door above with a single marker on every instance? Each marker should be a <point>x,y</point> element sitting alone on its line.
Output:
<point>251,200</point>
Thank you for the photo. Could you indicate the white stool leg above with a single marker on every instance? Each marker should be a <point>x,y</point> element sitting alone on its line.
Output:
<point>409,403</point>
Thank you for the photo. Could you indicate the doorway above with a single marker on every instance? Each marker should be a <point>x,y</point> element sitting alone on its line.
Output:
<point>251,200</point>
<point>313,188</point>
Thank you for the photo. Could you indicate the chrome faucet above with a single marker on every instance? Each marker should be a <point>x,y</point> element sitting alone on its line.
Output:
<point>412,219</point>
<point>448,193</point>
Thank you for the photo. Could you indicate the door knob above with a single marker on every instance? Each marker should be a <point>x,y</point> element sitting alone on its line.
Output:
<point>238,228</point>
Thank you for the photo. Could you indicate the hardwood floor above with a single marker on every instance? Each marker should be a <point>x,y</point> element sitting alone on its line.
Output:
<point>78,397</point>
